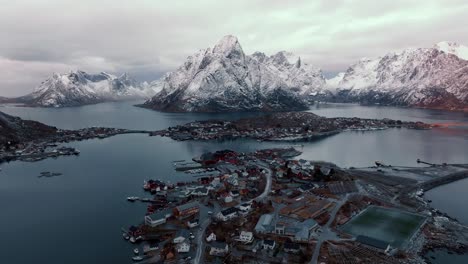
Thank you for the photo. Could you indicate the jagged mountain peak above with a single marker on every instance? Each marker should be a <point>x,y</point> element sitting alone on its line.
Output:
<point>228,45</point>
<point>225,79</point>
<point>78,87</point>
<point>285,57</point>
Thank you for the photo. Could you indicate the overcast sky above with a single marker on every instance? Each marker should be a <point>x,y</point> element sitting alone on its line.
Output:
<point>148,38</point>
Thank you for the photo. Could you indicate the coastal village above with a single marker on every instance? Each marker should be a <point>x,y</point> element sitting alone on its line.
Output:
<point>286,126</point>
<point>270,207</point>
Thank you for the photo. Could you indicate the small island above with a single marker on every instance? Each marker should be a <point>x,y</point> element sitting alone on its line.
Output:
<point>281,126</point>
<point>28,140</point>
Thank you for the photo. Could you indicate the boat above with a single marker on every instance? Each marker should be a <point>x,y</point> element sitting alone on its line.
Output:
<point>137,258</point>
<point>132,198</point>
<point>132,239</point>
<point>126,236</point>
<point>136,251</point>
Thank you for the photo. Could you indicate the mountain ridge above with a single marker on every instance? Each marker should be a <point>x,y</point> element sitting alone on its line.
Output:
<point>421,77</point>
<point>78,88</point>
<point>224,78</point>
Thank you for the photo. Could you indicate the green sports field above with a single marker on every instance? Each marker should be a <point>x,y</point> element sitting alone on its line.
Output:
<point>390,225</point>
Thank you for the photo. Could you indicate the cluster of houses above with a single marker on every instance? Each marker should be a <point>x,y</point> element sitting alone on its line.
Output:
<point>298,126</point>
<point>233,189</point>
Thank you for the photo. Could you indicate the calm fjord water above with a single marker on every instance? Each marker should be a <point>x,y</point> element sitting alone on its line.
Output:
<point>76,217</point>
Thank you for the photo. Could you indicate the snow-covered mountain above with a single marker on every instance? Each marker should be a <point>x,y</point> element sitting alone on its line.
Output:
<point>79,88</point>
<point>453,48</point>
<point>434,77</point>
<point>223,78</point>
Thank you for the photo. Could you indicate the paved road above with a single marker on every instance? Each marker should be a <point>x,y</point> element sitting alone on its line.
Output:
<point>200,240</point>
<point>327,233</point>
<point>268,175</point>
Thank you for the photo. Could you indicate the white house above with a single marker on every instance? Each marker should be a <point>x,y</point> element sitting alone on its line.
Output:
<point>181,236</point>
<point>228,199</point>
<point>183,247</point>
<point>158,218</point>
<point>201,191</point>
<point>211,237</point>
<point>218,248</point>
<point>216,182</point>
<point>227,214</point>
<point>245,237</point>
<point>192,223</point>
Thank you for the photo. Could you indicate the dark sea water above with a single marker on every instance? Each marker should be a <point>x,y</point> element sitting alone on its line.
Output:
<point>76,217</point>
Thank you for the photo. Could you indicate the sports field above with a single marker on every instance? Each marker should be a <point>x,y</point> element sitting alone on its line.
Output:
<point>390,225</point>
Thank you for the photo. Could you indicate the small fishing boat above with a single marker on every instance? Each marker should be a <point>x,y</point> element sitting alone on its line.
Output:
<point>132,198</point>
<point>125,236</point>
<point>136,251</point>
<point>137,258</point>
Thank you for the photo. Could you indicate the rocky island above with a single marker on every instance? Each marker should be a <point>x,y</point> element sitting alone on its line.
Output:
<point>286,126</point>
<point>28,140</point>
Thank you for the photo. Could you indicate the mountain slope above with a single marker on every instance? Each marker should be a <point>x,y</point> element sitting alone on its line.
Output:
<point>80,88</point>
<point>422,77</point>
<point>15,130</point>
<point>223,78</point>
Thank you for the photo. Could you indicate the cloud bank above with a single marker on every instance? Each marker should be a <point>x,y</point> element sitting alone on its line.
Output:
<point>148,38</point>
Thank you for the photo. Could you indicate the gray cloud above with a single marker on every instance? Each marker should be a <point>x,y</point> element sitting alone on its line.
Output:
<point>147,38</point>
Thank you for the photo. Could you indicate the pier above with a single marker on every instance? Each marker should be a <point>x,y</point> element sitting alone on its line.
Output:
<point>431,184</point>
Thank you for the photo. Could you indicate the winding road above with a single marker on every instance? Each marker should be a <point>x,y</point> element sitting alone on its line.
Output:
<point>200,235</point>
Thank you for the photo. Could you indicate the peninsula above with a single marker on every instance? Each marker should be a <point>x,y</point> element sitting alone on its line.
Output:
<point>281,126</point>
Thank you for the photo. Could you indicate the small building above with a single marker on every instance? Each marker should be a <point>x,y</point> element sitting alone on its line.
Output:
<point>245,206</point>
<point>193,223</point>
<point>186,210</point>
<point>181,236</point>
<point>183,247</point>
<point>151,246</point>
<point>228,199</point>
<point>245,237</point>
<point>264,224</point>
<point>201,191</point>
<point>211,237</point>
<point>293,248</point>
<point>157,218</point>
<point>268,244</point>
<point>218,248</point>
<point>306,187</point>
<point>227,214</point>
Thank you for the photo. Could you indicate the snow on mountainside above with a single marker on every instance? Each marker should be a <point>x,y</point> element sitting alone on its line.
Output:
<point>453,48</point>
<point>80,88</point>
<point>223,78</point>
<point>422,77</point>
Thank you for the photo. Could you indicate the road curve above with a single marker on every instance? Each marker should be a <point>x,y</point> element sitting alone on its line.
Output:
<point>200,235</point>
